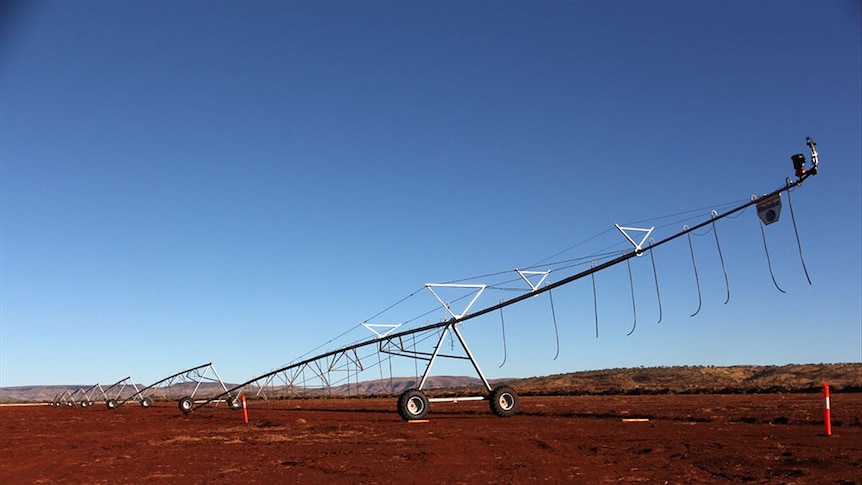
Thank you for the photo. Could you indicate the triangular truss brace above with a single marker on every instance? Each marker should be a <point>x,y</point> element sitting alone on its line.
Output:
<point>448,308</point>
<point>390,327</point>
<point>637,246</point>
<point>527,274</point>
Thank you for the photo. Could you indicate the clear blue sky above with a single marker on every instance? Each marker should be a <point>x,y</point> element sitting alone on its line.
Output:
<point>241,182</point>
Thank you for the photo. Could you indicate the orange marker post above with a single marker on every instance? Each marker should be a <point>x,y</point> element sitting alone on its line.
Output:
<point>827,415</point>
<point>244,409</point>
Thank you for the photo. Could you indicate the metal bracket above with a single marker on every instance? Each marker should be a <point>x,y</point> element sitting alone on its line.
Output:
<point>458,316</point>
<point>534,286</point>
<point>374,326</point>
<point>637,246</point>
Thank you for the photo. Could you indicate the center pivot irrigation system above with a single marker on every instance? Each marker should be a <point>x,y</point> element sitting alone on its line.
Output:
<point>86,397</point>
<point>82,397</point>
<point>187,384</point>
<point>320,372</point>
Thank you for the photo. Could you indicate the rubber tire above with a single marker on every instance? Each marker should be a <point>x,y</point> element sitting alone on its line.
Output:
<point>146,402</point>
<point>234,403</point>
<point>504,401</point>
<point>186,404</point>
<point>412,405</point>
<point>111,403</point>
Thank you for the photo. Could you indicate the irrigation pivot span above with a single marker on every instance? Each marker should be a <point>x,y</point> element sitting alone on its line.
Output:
<point>413,404</point>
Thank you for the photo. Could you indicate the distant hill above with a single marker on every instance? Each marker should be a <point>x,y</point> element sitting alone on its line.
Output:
<point>699,379</point>
<point>641,380</point>
<point>34,393</point>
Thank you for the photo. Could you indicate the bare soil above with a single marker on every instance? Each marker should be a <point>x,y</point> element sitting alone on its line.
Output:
<point>653,439</point>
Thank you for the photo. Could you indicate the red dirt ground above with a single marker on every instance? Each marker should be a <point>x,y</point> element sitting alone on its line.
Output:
<point>774,439</point>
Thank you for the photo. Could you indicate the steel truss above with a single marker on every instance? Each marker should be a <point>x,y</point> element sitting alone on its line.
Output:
<point>413,404</point>
<point>114,393</point>
<point>186,385</point>
<point>63,398</point>
<point>86,397</point>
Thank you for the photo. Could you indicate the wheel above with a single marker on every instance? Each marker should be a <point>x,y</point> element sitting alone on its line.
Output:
<point>412,405</point>
<point>112,403</point>
<point>186,404</point>
<point>89,403</point>
<point>146,402</point>
<point>504,401</point>
<point>234,403</point>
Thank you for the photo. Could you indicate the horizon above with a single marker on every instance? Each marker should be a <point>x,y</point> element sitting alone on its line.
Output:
<point>497,379</point>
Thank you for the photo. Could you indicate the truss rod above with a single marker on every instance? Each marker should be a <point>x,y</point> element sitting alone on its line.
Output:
<point>503,304</point>
<point>142,391</point>
<point>620,259</point>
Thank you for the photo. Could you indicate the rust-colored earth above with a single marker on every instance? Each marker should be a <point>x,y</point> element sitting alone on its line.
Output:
<point>675,439</point>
